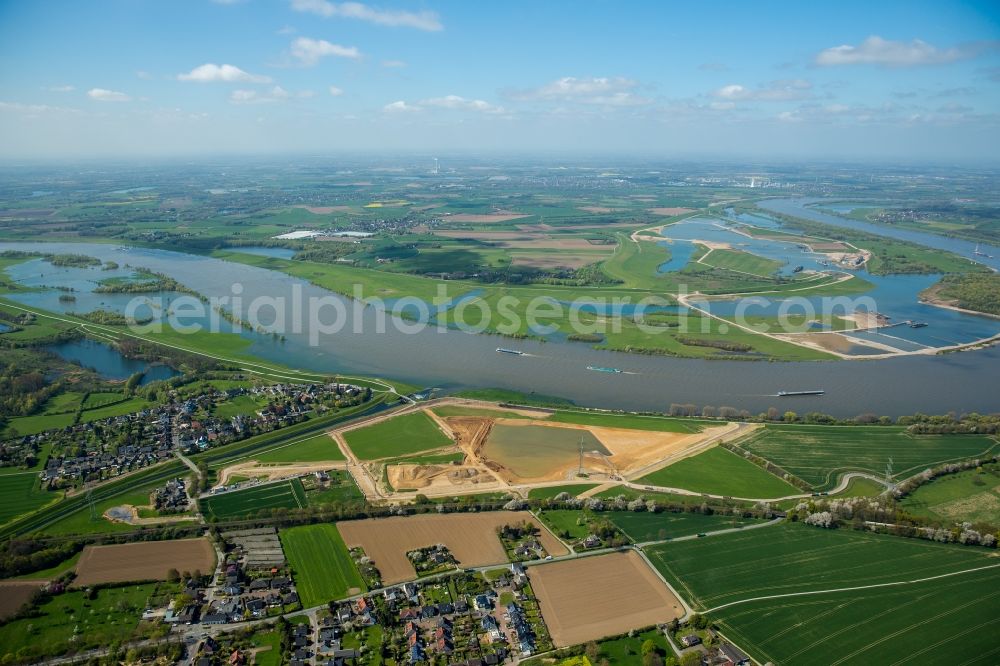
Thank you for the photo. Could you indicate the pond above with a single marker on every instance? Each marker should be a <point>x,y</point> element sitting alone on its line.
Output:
<point>108,362</point>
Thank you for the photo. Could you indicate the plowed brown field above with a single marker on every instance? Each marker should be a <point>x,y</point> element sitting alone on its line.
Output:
<point>471,538</point>
<point>146,560</point>
<point>593,597</point>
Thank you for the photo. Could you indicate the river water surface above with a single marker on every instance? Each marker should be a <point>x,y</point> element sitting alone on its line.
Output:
<point>449,358</point>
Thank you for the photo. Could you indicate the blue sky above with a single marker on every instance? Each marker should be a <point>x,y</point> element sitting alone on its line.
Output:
<point>761,80</point>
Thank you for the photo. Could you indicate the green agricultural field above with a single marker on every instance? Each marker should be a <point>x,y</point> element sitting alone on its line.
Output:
<point>641,526</point>
<point>129,406</point>
<point>948,620</point>
<point>239,503</point>
<point>819,455</point>
<point>308,448</point>
<point>396,437</point>
<point>95,400</point>
<point>972,495</point>
<point>788,558</point>
<point>21,494</point>
<point>721,472</point>
<point>58,412</point>
<point>573,489</point>
<point>321,564</point>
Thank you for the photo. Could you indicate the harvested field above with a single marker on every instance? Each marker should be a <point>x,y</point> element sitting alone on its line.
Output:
<point>471,538</point>
<point>16,593</point>
<point>670,211</point>
<point>147,560</point>
<point>620,593</point>
<point>484,219</point>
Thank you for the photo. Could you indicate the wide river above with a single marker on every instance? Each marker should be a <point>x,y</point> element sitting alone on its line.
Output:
<point>449,358</point>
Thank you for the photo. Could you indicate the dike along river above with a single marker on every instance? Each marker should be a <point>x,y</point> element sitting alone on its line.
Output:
<point>961,382</point>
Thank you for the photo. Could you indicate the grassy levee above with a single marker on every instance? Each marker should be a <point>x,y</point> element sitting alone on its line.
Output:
<point>955,615</point>
<point>53,513</point>
<point>742,262</point>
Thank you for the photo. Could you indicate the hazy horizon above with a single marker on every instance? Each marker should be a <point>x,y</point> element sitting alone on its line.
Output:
<point>773,82</point>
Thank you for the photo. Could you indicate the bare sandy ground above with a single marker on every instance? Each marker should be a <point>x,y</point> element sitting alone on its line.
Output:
<point>270,472</point>
<point>471,538</point>
<point>460,478</point>
<point>145,560</point>
<point>631,450</point>
<point>592,597</point>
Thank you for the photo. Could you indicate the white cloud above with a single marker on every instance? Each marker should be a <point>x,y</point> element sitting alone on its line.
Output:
<point>335,91</point>
<point>60,89</point>
<point>888,53</point>
<point>602,91</point>
<point>775,91</point>
<point>422,20</point>
<point>309,51</point>
<point>143,74</point>
<point>103,95</point>
<point>275,94</point>
<point>393,63</point>
<point>399,107</point>
<point>456,102</point>
<point>212,73</point>
<point>286,30</point>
